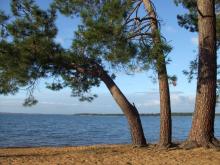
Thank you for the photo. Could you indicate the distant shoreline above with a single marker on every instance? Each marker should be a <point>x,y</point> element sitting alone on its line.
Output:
<point>106,114</point>
<point>142,114</point>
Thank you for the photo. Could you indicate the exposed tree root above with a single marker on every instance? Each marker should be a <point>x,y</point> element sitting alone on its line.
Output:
<point>216,142</point>
<point>213,144</point>
<point>189,145</point>
<point>163,146</point>
<point>139,145</point>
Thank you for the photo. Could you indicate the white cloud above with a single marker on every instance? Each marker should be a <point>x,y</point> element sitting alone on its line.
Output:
<point>10,102</point>
<point>195,41</point>
<point>59,40</point>
<point>149,103</point>
<point>58,103</point>
<point>146,102</point>
<point>170,29</point>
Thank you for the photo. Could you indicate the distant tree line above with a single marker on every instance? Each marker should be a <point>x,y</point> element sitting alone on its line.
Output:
<point>113,35</point>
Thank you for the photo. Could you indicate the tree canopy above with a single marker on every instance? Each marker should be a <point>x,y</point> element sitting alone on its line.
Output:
<point>112,34</point>
<point>115,28</point>
<point>29,53</point>
<point>190,19</point>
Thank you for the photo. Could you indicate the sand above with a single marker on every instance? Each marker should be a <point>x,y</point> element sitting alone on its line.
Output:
<point>108,155</point>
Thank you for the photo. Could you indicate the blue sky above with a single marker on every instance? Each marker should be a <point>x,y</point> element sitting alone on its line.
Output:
<point>139,88</point>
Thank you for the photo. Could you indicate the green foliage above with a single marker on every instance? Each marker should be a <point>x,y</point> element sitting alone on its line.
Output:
<point>70,7</point>
<point>109,32</point>
<point>81,83</point>
<point>103,34</point>
<point>3,20</point>
<point>29,53</point>
<point>172,80</point>
<point>30,101</point>
<point>192,72</point>
<point>27,46</point>
<point>218,29</point>
<point>190,19</point>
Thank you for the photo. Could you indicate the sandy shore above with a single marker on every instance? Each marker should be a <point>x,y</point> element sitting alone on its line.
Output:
<point>108,155</point>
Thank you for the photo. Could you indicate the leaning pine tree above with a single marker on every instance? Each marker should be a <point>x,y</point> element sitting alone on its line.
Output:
<point>28,53</point>
<point>90,44</point>
<point>123,19</point>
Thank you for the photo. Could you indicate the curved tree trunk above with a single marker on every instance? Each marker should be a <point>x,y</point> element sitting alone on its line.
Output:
<point>128,109</point>
<point>202,131</point>
<point>165,108</point>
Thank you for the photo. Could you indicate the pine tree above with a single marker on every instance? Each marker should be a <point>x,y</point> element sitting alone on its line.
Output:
<point>28,53</point>
<point>121,35</point>
<point>26,45</point>
<point>165,109</point>
<point>189,20</point>
<point>94,40</point>
<point>202,18</point>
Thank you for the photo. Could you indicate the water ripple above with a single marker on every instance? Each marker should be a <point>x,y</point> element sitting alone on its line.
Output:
<point>20,130</point>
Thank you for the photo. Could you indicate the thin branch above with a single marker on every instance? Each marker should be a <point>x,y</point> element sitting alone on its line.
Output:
<point>137,6</point>
<point>139,35</point>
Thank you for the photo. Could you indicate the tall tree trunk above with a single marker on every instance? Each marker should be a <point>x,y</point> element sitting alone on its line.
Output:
<point>165,111</point>
<point>165,108</point>
<point>130,111</point>
<point>202,131</point>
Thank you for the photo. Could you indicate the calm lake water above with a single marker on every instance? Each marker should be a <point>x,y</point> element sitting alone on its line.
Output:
<point>23,130</point>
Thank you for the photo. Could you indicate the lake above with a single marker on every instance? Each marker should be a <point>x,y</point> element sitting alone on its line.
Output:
<point>30,130</point>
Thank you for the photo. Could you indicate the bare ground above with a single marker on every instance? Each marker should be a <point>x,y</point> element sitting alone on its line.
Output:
<point>108,155</point>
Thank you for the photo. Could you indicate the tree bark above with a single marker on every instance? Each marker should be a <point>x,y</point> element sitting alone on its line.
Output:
<point>165,108</point>
<point>165,111</point>
<point>202,131</point>
<point>130,111</point>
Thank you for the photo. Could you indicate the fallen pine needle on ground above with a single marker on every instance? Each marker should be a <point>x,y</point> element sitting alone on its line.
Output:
<point>108,155</point>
